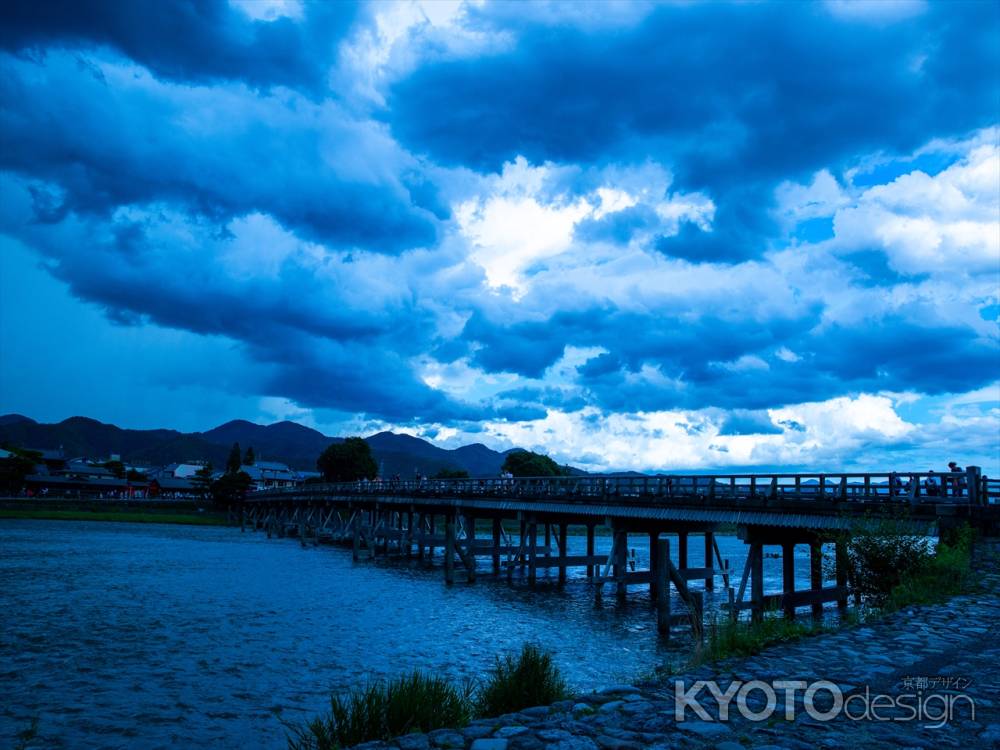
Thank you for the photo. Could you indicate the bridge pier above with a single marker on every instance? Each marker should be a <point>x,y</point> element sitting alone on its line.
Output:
<point>709,563</point>
<point>662,588</point>
<point>563,531</point>
<point>816,575</point>
<point>788,577</point>
<point>791,597</point>
<point>532,551</point>
<point>497,538</point>
<point>654,565</point>
<point>620,563</point>
<point>449,550</point>
<point>590,549</point>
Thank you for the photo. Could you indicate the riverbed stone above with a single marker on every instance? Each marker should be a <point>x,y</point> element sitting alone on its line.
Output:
<point>610,742</point>
<point>510,731</point>
<point>526,741</point>
<point>446,738</point>
<point>476,731</point>
<point>413,742</point>
<point>705,728</point>
<point>620,690</point>
<point>536,712</point>
<point>493,743</point>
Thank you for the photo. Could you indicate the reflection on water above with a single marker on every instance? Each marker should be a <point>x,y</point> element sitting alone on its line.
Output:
<point>131,635</point>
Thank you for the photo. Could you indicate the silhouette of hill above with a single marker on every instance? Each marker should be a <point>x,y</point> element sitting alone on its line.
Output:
<point>291,443</point>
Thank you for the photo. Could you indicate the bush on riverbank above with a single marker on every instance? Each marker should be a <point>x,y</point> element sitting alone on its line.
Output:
<point>891,568</point>
<point>530,679</point>
<point>941,575</point>
<point>880,555</point>
<point>418,703</point>
<point>385,709</point>
<point>726,637</point>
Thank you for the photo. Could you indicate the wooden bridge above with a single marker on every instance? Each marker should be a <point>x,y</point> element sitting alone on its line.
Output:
<point>468,519</point>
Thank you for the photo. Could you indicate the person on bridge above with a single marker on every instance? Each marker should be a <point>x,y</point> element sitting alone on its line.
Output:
<point>931,486</point>
<point>956,486</point>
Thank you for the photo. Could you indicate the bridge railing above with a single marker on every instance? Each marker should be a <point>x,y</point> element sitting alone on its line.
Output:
<point>952,487</point>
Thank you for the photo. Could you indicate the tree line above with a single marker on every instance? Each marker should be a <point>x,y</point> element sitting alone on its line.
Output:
<point>352,459</point>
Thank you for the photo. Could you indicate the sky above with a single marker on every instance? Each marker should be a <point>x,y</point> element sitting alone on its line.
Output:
<point>653,236</point>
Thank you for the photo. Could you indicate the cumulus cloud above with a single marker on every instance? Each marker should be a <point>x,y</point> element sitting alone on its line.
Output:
<point>941,223</point>
<point>575,232</point>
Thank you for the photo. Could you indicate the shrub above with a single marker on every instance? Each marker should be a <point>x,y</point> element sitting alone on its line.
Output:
<point>530,679</point>
<point>385,709</point>
<point>881,555</point>
<point>727,637</point>
<point>942,575</point>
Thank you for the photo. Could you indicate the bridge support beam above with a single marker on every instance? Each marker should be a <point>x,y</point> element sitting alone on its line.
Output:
<point>816,574</point>
<point>840,553</point>
<point>449,550</point>
<point>621,564</point>
<point>661,553</point>
<point>590,549</point>
<point>655,573</point>
<point>497,538</point>
<point>470,555</point>
<point>709,561</point>
<point>756,563</point>
<point>532,551</point>
<point>788,577</point>
<point>563,531</point>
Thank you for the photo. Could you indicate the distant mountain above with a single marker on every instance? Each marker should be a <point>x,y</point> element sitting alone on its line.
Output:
<point>81,436</point>
<point>291,443</point>
<point>14,419</point>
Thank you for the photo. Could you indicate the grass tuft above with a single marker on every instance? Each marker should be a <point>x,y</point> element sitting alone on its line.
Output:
<point>942,575</point>
<point>726,637</point>
<point>384,709</point>
<point>529,679</point>
<point>417,703</point>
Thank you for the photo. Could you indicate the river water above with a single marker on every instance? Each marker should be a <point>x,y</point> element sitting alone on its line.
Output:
<point>134,635</point>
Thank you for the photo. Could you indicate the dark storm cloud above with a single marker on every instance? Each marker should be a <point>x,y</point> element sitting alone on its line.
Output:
<point>222,153</point>
<point>187,40</point>
<point>186,167</point>
<point>731,364</point>
<point>733,97</point>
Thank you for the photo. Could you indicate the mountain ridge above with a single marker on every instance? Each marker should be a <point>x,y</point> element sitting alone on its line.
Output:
<point>288,442</point>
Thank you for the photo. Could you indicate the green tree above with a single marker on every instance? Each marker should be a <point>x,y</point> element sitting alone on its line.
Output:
<point>16,467</point>
<point>347,461</point>
<point>235,460</point>
<point>135,476</point>
<point>527,464</point>
<point>250,457</point>
<point>231,488</point>
<point>202,479</point>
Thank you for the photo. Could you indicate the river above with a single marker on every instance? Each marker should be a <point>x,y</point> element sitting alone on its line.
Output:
<point>154,636</point>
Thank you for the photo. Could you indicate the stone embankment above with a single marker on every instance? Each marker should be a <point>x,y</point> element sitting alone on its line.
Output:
<point>947,651</point>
